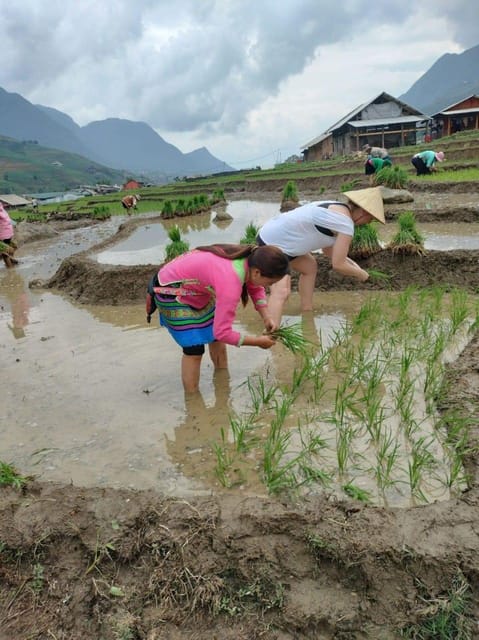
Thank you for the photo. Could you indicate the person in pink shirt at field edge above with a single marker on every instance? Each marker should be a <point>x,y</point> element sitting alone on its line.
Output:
<point>6,236</point>
<point>198,292</point>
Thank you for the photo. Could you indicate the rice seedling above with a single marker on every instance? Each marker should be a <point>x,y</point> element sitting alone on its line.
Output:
<point>177,246</point>
<point>386,455</point>
<point>365,242</point>
<point>218,195</point>
<point>459,308</point>
<point>241,430</point>
<point>380,276</point>
<point>408,240</point>
<point>355,492</point>
<point>250,234</point>
<point>349,186</point>
<point>261,395</point>
<point>291,336</point>
<point>224,460</point>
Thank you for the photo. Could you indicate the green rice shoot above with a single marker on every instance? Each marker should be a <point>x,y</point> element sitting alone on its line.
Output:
<point>291,336</point>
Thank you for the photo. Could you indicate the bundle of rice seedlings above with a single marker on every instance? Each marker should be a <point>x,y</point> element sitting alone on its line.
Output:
<point>167,210</point>
<point>177,246</point>
<point>290,199</point>
<point>365,241</point>
<point>291,336</point>
<point>392,177</point>
<point>408,240</point>
<point>250,234</point>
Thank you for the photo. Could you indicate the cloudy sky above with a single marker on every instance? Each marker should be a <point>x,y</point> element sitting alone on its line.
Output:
<point>251,80</point>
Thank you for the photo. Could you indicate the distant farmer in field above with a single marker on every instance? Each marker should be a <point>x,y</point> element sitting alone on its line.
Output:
<point>129,203</point>
<point>425,161</point>
<point>7,243</point>
<point>376,152</point>
<point>326,225</point>
<point>373,165</point>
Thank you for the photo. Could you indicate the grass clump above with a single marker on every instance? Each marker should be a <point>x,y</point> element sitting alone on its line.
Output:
<point>445,618</point>
<point>9,476</point>
<point>177,246</point>
<point>408,240</point>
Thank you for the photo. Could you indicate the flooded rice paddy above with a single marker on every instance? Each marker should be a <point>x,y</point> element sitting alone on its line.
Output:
<point>93,395</point>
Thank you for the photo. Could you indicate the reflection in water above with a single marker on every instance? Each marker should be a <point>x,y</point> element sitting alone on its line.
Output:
<point>13,289</point>
<point>191,449</point>
<point>146,245</point>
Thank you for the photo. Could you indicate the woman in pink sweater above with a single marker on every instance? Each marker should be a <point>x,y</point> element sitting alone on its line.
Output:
<point>6,236</point>
<point>197,295</point>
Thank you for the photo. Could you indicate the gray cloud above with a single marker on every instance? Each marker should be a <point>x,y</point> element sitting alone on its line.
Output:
<point>184,66</point>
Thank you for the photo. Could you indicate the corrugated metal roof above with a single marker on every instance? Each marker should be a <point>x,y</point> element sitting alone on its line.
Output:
<point>358,124</point>
<point>459,112</point>
<point>449,106</point>
<point>317,140</point>
<point>347,118</point>
<point>14,200</point>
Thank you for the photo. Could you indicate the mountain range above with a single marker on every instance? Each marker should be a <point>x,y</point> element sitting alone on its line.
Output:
<point>136,148</point>
<point>453,77</point>
<point>114,142</point>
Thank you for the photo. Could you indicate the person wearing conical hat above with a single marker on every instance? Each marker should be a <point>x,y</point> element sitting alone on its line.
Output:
<point>326,225</point>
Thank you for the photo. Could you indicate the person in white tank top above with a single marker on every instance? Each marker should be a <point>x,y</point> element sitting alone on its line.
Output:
<point>326,225</point>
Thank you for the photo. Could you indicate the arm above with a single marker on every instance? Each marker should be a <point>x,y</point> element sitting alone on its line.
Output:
<point>340,262</point>
<point>258,296</point>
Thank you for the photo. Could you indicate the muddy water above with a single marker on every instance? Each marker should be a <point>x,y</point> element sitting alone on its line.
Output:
<point>93,395</point>
<point>146,245</point>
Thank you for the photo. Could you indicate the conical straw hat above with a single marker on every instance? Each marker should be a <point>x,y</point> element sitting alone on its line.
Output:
<point>370,200</point>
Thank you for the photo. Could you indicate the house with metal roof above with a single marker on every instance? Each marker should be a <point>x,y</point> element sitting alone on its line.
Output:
<point>12,200</point>
<point>383,121</point>
<point>459,116</point>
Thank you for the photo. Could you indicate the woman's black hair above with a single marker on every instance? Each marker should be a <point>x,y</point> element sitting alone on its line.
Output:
<point>268,259</point>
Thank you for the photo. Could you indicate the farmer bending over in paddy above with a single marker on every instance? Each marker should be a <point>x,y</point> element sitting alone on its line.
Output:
<point>425,161</point>
<point>325,225</point>
<point>130,202</point>
<point>198,292</point>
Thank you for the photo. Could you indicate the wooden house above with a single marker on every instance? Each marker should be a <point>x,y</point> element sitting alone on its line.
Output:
<point>14,201</point>
<point>384,121</point>
<point>459,116</point>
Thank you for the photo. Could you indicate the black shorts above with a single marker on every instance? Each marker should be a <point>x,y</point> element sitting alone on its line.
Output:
<point>195,350</point>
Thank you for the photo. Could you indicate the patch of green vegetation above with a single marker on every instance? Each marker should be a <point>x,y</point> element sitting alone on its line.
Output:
<point>446,617</point>
<point>10,477</point>
<point>450,175</point>
<point>28,167</point>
